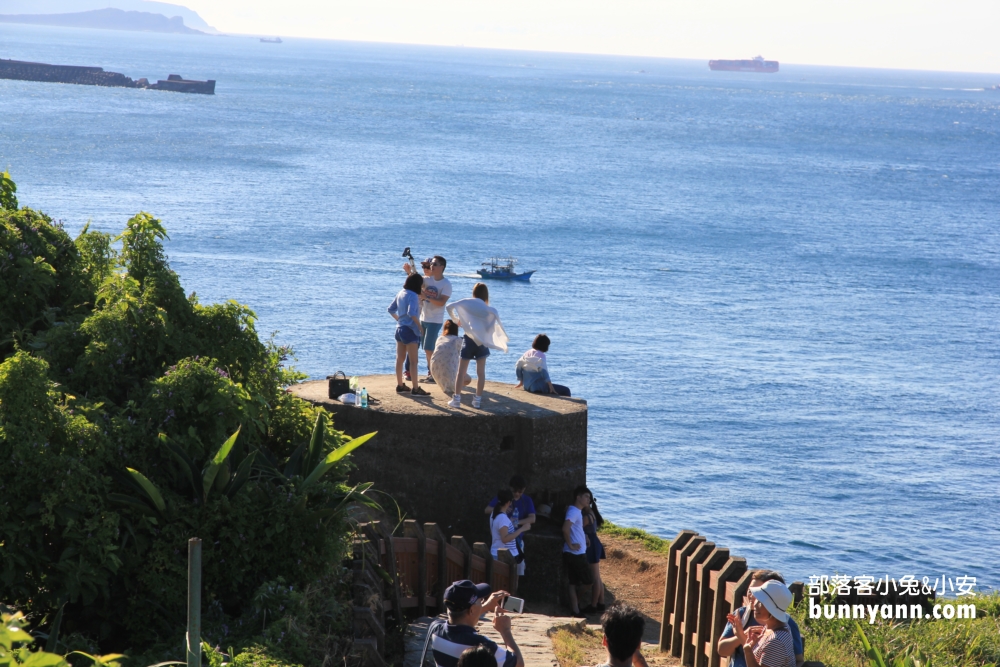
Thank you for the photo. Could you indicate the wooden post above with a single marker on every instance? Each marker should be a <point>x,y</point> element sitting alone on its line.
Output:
<point>397,597</point>
<point>706,600</point>
<point>366,622</point>
<point>742,586</point>
<point>690,608</point>
<point>480,549</point>
<point>680,595</point>
<point>670,588</point>
<point>412,529</point>
<point>503,555</point>
<point>193,648</point>
<point>732,570</point>
<point>459,543</point>
<point>432,532</point>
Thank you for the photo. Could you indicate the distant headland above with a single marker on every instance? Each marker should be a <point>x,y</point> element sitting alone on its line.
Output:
<point>132,15</point>
<point>107,19</point>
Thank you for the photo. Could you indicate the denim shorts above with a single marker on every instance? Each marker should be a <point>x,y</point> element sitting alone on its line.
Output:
<point>470,350</point>
<point>406,335</point>
<point>431,332</point>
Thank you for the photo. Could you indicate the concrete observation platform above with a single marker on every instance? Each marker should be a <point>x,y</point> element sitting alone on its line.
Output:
<point>444,464</point>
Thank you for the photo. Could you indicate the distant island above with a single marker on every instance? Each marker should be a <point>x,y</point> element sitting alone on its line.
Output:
<point>107,19</point>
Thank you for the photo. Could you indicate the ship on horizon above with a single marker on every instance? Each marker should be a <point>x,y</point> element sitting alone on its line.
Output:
<point>757,64</point>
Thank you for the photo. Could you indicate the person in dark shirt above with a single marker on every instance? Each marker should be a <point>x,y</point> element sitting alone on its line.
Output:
<point>623,626</point>
<point>465,603</point>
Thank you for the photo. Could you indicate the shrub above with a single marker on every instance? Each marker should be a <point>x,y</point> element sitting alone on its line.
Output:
<point>133,418</point>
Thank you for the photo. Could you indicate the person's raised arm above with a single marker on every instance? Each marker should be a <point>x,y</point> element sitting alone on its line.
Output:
<point>528,520</point>
<point>733,636</point>
<point>501,623</point>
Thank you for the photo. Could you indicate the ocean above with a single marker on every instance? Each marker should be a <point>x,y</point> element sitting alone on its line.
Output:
<point>779,294</point>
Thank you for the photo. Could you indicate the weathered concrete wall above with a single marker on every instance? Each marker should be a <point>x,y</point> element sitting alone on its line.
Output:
<point>444,465</point>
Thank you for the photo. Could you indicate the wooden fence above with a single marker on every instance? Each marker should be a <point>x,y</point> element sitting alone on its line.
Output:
<point>704,583</point>
<point>417,566</point>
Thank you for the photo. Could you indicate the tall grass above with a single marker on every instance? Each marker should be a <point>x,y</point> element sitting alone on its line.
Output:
<point>915,643</point>
<point>649,541</point>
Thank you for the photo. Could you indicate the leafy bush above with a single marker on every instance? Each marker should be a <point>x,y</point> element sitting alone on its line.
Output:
<point>133,418</point>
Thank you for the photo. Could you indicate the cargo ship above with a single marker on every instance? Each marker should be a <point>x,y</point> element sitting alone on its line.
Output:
<point>757,64</point>
<point>20,70</point>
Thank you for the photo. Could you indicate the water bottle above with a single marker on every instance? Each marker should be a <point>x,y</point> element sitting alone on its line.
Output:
<point>364,397</point>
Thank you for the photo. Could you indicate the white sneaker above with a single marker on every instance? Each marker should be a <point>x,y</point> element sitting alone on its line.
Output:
<point>455,402</point>
<point>477,401</point>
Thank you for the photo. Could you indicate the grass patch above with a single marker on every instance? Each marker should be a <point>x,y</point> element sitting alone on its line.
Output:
<point>649,541</point>
<point>573,643</point>
<point>946,643</point>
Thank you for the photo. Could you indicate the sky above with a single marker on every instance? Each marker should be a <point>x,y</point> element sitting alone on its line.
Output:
<point>951,35</point>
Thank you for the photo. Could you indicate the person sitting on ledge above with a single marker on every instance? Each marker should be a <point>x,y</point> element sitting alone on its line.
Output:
<point>623,626</point>
<point>465,602</point>
<point>769,643</point>
<point>730,644</point>
<point>405,309</point>
<point>445,359</point>
<point>533,372</point>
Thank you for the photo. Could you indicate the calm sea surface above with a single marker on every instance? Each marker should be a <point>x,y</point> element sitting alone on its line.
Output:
<point>780,294</point>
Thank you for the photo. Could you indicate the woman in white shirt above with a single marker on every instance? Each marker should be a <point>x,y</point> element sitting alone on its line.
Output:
<point>502,528</point>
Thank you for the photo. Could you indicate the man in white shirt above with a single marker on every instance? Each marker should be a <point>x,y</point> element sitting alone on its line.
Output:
<point>437,290</point>
<point>575,548</point>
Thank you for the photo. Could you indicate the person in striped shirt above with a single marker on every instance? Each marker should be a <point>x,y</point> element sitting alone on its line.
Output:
<point>770,643</point>
<point>465,603</point>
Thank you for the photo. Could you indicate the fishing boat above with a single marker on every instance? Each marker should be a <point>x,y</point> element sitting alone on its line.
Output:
<point>502,268</point>
<point>268,40</point>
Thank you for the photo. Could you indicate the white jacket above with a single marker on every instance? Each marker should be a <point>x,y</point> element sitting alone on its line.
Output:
<point>480,322</point>
<point>533,361</point>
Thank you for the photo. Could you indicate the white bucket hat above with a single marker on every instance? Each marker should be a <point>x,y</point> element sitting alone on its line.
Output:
<point>775,597</point>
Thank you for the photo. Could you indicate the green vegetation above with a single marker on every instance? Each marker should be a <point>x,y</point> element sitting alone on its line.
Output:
<point>917,643</point>
<point>132,418</point>
<point>648,540</point>
<point>574,643</point>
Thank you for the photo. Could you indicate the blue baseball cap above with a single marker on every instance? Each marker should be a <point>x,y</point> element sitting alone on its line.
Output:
<point>463,594</point>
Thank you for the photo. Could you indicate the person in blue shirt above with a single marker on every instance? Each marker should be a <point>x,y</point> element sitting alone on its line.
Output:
<point>405,309</point>
<point>465,602</point>
<point>729,644</point>
<point>522,511</point>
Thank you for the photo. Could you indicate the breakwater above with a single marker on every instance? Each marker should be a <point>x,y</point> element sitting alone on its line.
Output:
<point>96,76</point>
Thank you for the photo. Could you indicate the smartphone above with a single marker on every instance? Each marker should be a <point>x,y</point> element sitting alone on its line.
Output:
<point>513,604</point>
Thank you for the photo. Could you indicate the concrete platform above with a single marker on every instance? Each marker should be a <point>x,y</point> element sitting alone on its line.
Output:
<point>444,464</point>
<point>499,399</point>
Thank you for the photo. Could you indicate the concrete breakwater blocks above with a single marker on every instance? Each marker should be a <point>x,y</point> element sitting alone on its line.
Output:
<point>444,464</point>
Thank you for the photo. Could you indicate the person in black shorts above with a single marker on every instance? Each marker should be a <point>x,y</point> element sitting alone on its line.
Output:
<point>574,553</point>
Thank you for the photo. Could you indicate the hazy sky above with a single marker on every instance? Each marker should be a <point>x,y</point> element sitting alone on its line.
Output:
<point>961,35</point>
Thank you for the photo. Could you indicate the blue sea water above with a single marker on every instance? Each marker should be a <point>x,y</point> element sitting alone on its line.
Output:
<point>779,294</point>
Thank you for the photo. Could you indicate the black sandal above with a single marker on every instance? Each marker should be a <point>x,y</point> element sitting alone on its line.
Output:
<point>419,392</point>
<point>402,389</point>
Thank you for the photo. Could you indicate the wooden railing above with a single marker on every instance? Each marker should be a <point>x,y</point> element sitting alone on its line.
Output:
<point>704,584</point>
<point>421,563</point>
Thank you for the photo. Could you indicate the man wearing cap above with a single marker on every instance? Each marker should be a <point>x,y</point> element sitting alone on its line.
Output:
<point>436,292</point>
<point>730,644</point>
<point>465,603</point>
<point>768,644</point>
